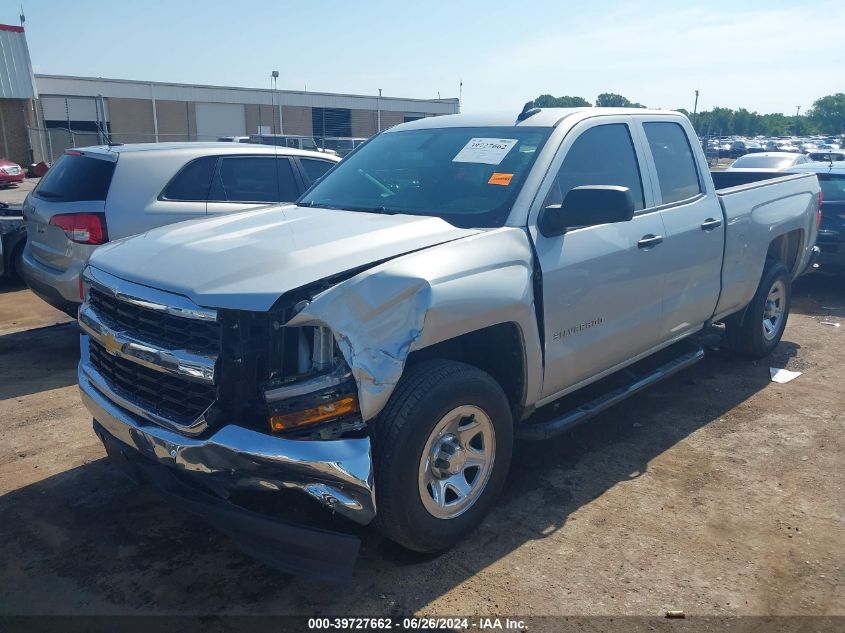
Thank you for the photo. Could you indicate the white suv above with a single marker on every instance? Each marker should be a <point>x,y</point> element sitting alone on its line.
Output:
<point>96,194</point>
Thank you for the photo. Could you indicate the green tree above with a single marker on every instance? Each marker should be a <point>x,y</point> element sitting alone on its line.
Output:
<point>548,101</point>
<point>828,114</point>
<point>611,100</point>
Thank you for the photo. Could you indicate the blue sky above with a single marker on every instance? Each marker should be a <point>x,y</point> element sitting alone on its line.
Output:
<point>766,55</point>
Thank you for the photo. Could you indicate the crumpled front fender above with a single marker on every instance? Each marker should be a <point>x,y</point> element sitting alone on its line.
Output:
<point>383,314</point>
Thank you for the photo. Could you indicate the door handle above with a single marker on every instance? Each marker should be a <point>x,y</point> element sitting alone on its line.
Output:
<point>709,224</point>
<point>649,240</point>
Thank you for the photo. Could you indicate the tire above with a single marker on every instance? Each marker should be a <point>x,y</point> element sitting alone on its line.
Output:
<point>431,396</point>
<point>755,332</point>
<point>17,262</point>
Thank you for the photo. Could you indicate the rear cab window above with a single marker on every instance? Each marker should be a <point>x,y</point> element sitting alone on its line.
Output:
<point>75,178</point>
<point>833,187</point>
<point>674,161</point>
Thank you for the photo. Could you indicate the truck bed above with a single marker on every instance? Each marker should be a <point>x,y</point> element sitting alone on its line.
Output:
<point>756,206</point>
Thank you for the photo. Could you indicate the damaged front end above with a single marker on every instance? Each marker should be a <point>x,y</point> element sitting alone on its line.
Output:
<point>281,412</point>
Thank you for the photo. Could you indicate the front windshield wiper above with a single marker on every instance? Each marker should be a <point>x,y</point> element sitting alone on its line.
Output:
<point>320,205</point>
<point>382,209</point>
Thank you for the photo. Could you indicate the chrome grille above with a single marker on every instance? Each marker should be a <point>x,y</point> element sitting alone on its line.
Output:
<point>177,399</point>
<point>156,327</point>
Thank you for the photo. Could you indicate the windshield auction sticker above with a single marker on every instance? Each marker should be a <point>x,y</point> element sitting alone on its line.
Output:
<point>500,179</point>
<point>490,151</point>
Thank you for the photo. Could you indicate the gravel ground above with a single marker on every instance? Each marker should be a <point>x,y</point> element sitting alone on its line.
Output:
<point>718,492</point>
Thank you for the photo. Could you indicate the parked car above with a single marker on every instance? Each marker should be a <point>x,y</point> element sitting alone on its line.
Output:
<point>741,147</point>
<point>97,194</point>
<point>10,173</point>
<point>769,161</point>
<point>831,239</point>
<point>342,146</point>
<point>378,346</point>
<point>291,141</point>
<point>234,139</point>
<point>12,240</point>
<point>827,156</point>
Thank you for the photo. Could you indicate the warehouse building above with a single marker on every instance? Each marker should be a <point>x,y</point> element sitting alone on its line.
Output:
<point>46,114</point>
<point>139,111</point>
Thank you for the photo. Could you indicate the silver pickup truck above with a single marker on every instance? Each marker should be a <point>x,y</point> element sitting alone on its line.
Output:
<point>455,283</point>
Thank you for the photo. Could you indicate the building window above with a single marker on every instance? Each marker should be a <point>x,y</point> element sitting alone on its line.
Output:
<point>331,121</point>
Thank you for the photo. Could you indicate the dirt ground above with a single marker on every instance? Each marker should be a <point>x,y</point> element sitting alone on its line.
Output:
<point>15,194</point>
<point>718,492</point>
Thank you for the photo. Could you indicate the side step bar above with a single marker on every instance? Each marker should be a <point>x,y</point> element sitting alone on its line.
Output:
<point>559,424</point>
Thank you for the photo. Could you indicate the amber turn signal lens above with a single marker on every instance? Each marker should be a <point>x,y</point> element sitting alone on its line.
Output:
<point>313,415</point>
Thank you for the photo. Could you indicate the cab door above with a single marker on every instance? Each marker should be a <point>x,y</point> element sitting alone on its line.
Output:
<point>602,285</point>
<point>692,216</point>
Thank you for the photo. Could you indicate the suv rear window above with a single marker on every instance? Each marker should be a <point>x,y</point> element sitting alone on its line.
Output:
<point>254,179</point>
<point>76,178</point>
<point>192,182</point>
<point>315,168</point>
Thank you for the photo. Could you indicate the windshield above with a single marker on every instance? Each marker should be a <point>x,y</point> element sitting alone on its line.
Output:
<point>763,162</point>
<point>470,177</point>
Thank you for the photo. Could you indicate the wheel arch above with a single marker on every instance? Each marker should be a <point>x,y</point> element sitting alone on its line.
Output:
<point>497,349</point>
<point>786,248</point>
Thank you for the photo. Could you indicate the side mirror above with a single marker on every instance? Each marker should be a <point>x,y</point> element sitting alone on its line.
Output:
<point>587,206</point>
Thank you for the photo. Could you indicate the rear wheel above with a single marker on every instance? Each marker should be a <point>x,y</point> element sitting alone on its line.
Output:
<point>756,332</point>
<point>442,449</point>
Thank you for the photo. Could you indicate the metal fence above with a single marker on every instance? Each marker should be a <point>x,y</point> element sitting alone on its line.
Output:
<point>48,144</point>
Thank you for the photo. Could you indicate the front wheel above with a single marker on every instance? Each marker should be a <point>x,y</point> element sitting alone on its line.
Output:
<point>756,332</point>
<point>442,449</point>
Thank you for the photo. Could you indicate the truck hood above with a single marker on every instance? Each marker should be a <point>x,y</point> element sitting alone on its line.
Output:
<point>247,260</point>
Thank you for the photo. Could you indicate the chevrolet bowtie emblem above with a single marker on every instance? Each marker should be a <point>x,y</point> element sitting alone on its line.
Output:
<point>111,344</point>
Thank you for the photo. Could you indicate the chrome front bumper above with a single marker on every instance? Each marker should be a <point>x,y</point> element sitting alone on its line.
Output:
<point>337,473</point>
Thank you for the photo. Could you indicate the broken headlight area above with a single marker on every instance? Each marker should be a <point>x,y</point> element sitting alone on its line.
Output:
<point>320,398</point>
<point>290,380</point>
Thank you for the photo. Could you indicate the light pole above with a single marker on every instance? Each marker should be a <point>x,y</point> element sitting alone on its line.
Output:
<point>275,76</point>
<point>378,110</point>
<point>797,122</point>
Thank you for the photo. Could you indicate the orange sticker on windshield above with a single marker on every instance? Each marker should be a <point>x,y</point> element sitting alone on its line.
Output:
<point>500,179</point>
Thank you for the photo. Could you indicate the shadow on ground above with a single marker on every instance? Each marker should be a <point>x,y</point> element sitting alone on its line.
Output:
<point>11,284</point>
<point>86,541</point>
<point>819,295</point>
<point>38,360</point>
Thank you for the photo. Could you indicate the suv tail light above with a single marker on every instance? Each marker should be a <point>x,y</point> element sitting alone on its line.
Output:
<point>819,218</point>
<point>82,228</point>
